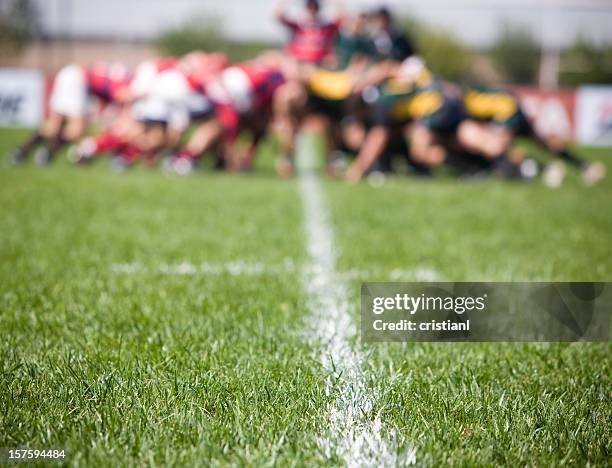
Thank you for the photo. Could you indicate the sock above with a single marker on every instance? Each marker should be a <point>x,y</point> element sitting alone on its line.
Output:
<point>467,163</point>
<point>108,141</point>
<point>220,163</point>
<point>572,159</point>
<point>56,145</point>
<point>130,153</point>
<point>185,153</point>
<point>33,141</point>
<point>420,170</point>
<point>503,166</point>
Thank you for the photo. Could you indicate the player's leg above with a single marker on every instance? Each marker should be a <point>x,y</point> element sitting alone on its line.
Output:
<point>353,134</point>
<point>60,132</point>
<point>431,149</point>
<point>374,145</point>
<point>203,138</point>
<point>494,143</point>
<point>328,127</point>
<point>423,147</point>
<point>399,145</point>
<point>288,106</point>
<point>113,139</point>
<point>50,127</point>
<point>350,136</point>
<point>591,172</point>
<point>64,100</point>
<point>485,139</point>
<point>37,138</point>
<point>69,105</point>
<point>258,124</point>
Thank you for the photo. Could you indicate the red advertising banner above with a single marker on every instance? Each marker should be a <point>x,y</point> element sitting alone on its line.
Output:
<point>551,111</point>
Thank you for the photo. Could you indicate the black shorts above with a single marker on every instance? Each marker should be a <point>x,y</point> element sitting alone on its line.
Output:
<point>198,116</point>
<point>328,107</point>
<point>447,118</point>
<point>518,124</point>
<point>154,122</point>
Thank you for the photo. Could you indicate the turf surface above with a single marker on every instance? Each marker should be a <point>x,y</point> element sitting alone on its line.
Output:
<point>155,320</point>
<point>486,404</point>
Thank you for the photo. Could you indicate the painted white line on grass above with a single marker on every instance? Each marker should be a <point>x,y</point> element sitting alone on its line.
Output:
<point>232,268</point>
<point>186,268</point>
<point>355,434</point>
<point>242,267</point>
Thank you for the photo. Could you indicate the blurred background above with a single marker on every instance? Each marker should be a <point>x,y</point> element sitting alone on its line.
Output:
<point>550,44</point>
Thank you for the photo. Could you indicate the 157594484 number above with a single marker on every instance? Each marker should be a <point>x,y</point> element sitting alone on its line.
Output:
<point>33,454</point>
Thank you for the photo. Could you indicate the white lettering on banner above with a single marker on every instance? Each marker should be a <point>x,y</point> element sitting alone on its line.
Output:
<point>553,118</point>
<point>21,97</point>
<point>549,114</point>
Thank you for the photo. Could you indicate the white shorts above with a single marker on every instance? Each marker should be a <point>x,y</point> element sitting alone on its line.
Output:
<point>170,85</point>
<point>151,109</point>
<point>144,78</point>
<point>173,101</point>
<point>69,96</point>
<point>192,107</point>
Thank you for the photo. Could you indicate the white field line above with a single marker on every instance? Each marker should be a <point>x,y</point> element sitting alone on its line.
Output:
<point>256,268</point>
<point>185,268</point>
<point>355,434</point>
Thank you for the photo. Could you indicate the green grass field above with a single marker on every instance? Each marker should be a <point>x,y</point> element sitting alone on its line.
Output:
<point>154,320</point>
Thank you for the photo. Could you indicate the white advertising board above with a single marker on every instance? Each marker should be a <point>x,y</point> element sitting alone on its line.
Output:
<point>21,97</point>
<point>594,115</point>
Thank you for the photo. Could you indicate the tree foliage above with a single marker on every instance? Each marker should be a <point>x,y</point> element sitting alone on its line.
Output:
<point>585,62</point>
<point>445,54</point>
<point>517,55</point>
<point>204,34</point>
<point>18,21</point>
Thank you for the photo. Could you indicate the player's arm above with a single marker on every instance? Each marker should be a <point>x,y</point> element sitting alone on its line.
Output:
<point>377,74</point>
<point>281,15</point>
<point>281,9</point>
<point>339,11</point>
<point>358,66</point>
<point>373,146</point>
<point>122,95</point>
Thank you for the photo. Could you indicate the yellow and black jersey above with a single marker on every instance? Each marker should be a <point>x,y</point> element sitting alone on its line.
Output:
<point>483,104</point>
<point>409,101</point>
<point>418,106</point>
<point>399,103</point>
<point>330,85</point>
<point>497,106</point>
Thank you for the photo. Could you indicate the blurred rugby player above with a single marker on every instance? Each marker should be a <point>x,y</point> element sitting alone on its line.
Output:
<point>389,41</point>
<point>242,97</point>
<point>74,89</point>
<point>411,104</point>
<point>496,119</point>
<point>120,134</point>
<point>312,37</point>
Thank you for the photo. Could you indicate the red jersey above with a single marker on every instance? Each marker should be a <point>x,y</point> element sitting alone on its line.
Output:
<point>107,80</point>
<point>311,41</point>
<point>263,80</point>
<point>242,89</point>
<point>164,63</point>
<point>199,68</point>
